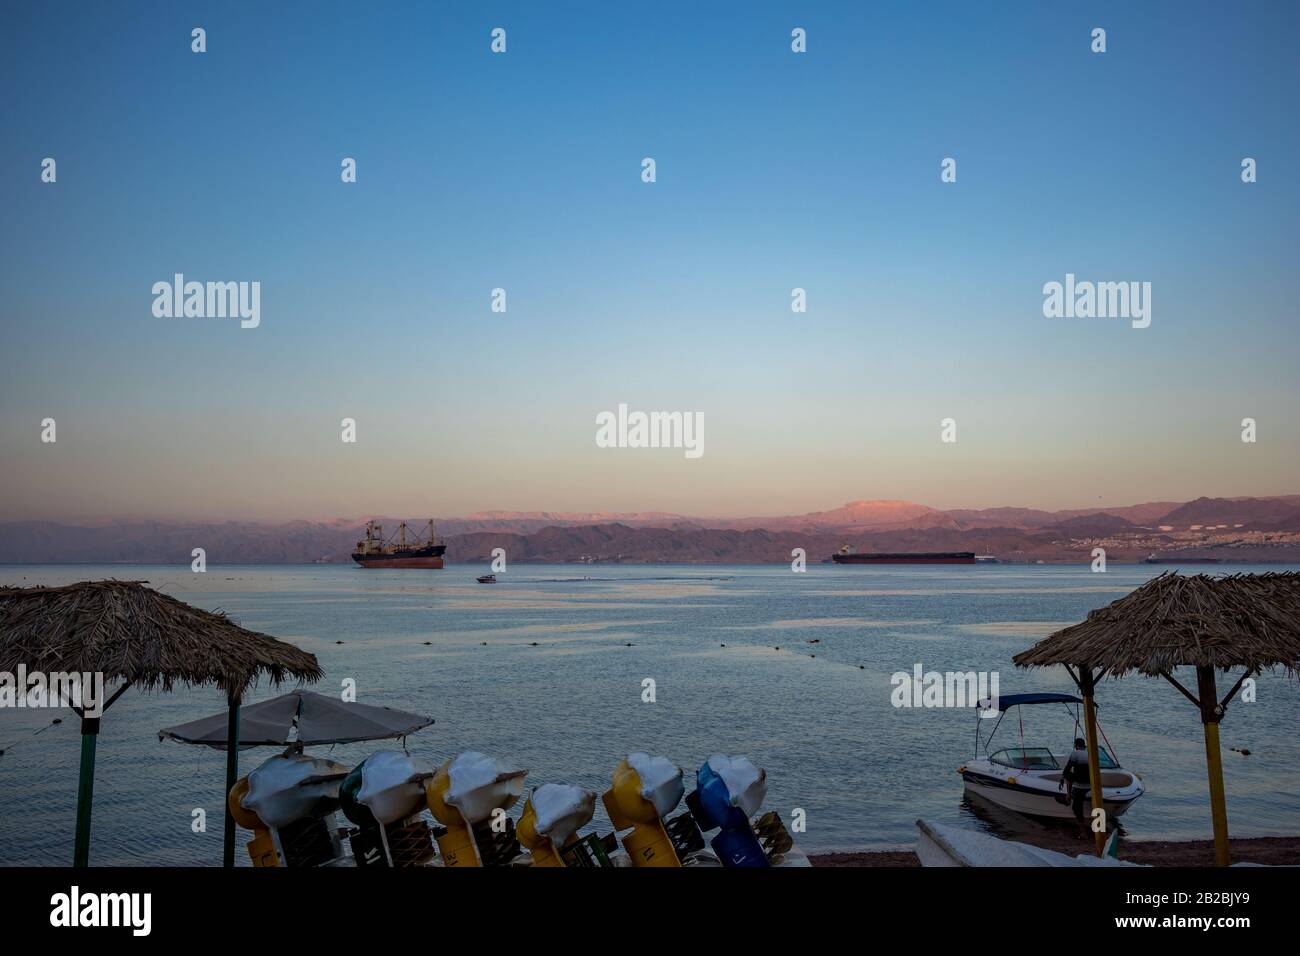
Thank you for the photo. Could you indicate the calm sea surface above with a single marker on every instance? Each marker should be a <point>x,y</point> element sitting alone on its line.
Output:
<point>817,716</point>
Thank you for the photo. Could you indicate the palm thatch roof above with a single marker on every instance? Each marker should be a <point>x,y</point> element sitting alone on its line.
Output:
<point>138,635</point>
<point>1239,620</point>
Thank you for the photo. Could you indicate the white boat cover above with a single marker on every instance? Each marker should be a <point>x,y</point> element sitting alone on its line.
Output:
<point>278,795</point>
<point>746,783</point>
<point>942,845</point>
<point>390,785</point>
<point>561,810</point>
<point>661,781</point>
<point>481,784</point>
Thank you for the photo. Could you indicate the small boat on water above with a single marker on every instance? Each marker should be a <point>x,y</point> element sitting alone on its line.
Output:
<point>486,579</point>
<point>1028,779</point>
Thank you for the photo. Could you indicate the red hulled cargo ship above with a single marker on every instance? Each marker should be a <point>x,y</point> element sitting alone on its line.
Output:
<point>375,552</point>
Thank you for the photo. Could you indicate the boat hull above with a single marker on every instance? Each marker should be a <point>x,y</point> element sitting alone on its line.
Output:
<point>955,557</point>
<point>1040,801</point>
<point>428,557</point>
<point>370,561</point>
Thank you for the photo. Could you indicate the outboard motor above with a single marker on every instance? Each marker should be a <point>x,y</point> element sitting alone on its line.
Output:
<point>465,796</point>
<point>728,791</point>
<point>552,816</point>
<point>775,838</point>
<point>591,850</point>
<point>645,790</point>
<point>289,802</point>
<point>384,797</point>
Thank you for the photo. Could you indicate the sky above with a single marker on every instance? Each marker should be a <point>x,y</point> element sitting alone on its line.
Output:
<point>775,170</point>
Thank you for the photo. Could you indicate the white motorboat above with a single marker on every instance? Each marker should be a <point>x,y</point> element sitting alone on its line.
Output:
<point>1028,779</point>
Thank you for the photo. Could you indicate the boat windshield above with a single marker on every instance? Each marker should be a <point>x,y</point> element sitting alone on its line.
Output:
<point>1026,758</point>
<point>1040,758</point>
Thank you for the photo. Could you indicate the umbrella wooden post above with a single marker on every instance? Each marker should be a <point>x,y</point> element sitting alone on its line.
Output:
<point>85,790</point>
<point>1094,758</point>
<point>232,776</point>
<point>1211,714</point>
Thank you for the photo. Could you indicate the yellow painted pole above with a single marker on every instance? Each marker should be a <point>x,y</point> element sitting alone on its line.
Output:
<point>1094,758</point>
<point>1210,716</point>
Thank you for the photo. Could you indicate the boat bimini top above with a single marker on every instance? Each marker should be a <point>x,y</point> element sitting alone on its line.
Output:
<point>1033,758</point>
<point>1015,700</point>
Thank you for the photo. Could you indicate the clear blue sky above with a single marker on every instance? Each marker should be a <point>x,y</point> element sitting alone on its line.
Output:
<point>522,171</point>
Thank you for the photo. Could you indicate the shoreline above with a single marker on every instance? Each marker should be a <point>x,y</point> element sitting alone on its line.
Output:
<point>1063,560</point>
<point>1271,851</point>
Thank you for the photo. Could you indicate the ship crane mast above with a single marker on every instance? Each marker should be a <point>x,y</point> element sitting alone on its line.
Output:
<point>403,551</point>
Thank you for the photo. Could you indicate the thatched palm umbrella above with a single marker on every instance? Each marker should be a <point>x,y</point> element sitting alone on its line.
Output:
<point>133,634</point>
<point>1242,620</point>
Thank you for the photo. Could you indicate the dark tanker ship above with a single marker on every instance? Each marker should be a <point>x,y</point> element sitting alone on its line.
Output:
<point>847,556</point>
<point>375,552</point>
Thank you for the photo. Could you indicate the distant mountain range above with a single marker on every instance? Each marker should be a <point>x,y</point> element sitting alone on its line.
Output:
<point>887,515</point>
<point>1241,528</point>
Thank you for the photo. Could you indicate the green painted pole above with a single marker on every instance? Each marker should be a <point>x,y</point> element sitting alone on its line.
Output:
<point>232,776</point>
<point>85,790</point>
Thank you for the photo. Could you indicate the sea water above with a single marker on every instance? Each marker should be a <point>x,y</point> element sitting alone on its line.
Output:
<point>548,670</point>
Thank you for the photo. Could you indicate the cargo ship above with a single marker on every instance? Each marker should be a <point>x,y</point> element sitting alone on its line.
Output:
<point>846,555</point>
<point>375,552</point>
